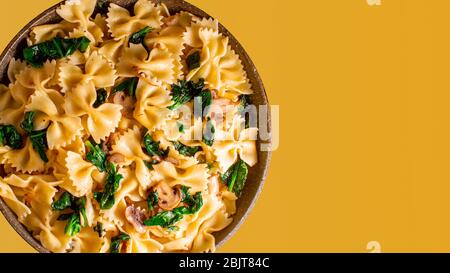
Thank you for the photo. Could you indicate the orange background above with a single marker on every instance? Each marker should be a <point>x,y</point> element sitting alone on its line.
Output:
<point>364,100</point>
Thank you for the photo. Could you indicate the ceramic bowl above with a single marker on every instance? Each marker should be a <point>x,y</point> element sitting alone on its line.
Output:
<point>257,174</point>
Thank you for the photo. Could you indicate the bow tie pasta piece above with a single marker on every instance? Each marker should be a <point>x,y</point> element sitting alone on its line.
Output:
<point>63,129</point>
<point>96,70</point>
<point>140,243</point>
<point>184,117</point>
<point>171,36</point>
<point>195,177</point>
<point>26,159</point>
<point>158,66</point>
<point>122,24</point>
<point>54,238</point>
<point>87,241</point>
<point>79,13</point>
<point>39,78</point>
<point>76,19</point>
<point>113,49</point>
<point>214,47</point>
<point>191,36</point>
<point>233,78</point>
<point>128,189</point>
<point>205,241</point>
<point>229,200</point>
<point>77,175</point>
<point>99,122</point>
<point>151,107</point>
<point>17,206</point>
<point>38,191</point>
<point>12,103</point>
<point>183,162</point>
<point>220,66</point>
<point>44,33</point>
<point>129,145</point>
<point>236,141</point>
<point>57,158</point>
<point>15,66</point>
<point>191,224</point>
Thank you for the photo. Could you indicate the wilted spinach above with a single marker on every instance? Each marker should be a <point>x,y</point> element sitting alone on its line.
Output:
<point>117,241</point>
<point>96,155</point>
<point>38,138</point>
<point>139,36</point>
<point>106,198</point>
<point>56,48</point>
<point>128,86</point>
<point>10,136</point>
<point>236,176</point>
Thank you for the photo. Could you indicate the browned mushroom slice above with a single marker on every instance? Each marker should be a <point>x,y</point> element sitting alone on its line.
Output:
<point>116,158</point>
<point>136,217</point>
<point>172,160</point>
<point>168,197</point>
<point>119,98</point>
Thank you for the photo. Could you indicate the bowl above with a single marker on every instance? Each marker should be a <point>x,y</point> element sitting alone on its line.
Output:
<point>257,174</point>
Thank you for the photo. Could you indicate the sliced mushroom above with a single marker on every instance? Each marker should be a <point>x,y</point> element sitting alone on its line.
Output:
<point>168,197</point>
<point>116,158</point>
<point>136,217</point>
<point>119,98</point>
<point>172,160</point>
<point>214,94</point>
<point>157,158</point>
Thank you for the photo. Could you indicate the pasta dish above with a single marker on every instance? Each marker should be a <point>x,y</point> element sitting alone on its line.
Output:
<point>125,130</point>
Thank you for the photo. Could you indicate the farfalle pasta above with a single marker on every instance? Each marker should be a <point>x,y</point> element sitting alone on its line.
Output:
<point>110,131</point>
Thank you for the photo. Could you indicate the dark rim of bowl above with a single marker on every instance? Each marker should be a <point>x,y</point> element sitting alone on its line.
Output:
<point>257,174</point>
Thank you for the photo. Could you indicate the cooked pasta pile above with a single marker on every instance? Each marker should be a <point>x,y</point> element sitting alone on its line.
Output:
<point>101,147</point>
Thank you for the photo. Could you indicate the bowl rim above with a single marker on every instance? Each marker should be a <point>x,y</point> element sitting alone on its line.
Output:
<point>45,17</point>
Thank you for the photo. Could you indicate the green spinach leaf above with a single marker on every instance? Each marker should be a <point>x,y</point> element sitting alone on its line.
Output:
<point>117,241</point>
<point>64,202</point>
<point>139,36</point>
<point>54,49</point>
<point>106,198</point>
<point>78,206</point>
<point>184,91</point>
<point>38,138</point>
<point>235,177</point>
<point>164,219</point>
<point>102,95</point>
<point>244,102</point>
<point>193,60</point>
<point>101,7</point>
<point>185,150</point>
<point>152,147</point>
<point>181,127</point>
<point>10,136</point>
<point>150,164</point>
<point>167,219</point>
<point>193,202</point>
<point>128,86</point>
<point>152,200</point>
<point>210,131</point>
<point>96,156</point>
<point>73,225</point>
